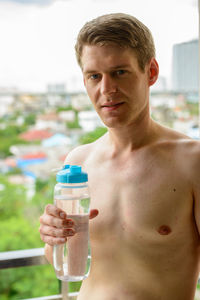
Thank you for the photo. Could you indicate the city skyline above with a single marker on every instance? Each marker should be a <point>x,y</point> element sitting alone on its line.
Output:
<point>38,37</point>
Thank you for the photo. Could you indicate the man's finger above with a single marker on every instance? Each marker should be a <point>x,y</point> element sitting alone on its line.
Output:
<point>52,241</point>
<point>51,209</point>
<point>56,222</point>
<point>56,232</point>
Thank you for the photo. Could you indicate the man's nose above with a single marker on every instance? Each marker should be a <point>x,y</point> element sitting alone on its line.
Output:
<point>108,85</point>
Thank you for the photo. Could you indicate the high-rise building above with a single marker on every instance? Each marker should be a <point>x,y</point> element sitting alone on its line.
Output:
<point>185,67</point>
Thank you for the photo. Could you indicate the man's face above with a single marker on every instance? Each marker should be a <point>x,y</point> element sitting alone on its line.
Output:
<point>117,87</point>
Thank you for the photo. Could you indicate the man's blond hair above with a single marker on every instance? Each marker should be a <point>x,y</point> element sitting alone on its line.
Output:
<point>119,29</point>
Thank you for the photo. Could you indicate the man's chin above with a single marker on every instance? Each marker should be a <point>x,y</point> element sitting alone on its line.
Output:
<point>113,124</point>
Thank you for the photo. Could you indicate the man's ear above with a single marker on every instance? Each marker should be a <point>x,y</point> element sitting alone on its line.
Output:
<point>153,71</point>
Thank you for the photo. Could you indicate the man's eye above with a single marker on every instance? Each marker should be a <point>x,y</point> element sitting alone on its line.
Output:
<point>94,76</point>
<point>120,72</point>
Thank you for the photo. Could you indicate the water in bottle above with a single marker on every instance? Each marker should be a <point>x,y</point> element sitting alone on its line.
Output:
<point>71,260</point>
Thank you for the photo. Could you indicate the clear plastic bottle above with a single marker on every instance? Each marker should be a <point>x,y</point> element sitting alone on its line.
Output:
<point>71,260</point>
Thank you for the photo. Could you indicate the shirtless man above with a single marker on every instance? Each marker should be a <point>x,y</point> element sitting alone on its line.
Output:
<point>144,178</point>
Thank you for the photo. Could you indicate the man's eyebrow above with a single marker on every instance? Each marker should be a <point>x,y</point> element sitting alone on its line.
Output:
<point>119,67</point>
<point>90,72</point>
<point>111,69</point>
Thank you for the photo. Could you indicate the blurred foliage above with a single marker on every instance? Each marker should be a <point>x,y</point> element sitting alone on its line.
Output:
<point>11,206</point>
<point>74,124</point>
<point>12,132</point>
<point>19,230</point>
<point>93,135</point>
<point>193,108</point>
<point>65,108</point>
<point>44,193</point>
<point>14,171</point>
<point>26,282</point>
<point>74,286</point>
<point>30,119</point>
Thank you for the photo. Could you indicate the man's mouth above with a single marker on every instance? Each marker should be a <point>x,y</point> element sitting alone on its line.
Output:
<point>112,106</point>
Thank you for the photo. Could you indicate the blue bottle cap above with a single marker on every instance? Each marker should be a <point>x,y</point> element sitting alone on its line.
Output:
<point>73,174</point>
<point>65,167</point>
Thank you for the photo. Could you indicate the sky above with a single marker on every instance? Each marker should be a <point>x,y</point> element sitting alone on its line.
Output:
<point>38,36</point>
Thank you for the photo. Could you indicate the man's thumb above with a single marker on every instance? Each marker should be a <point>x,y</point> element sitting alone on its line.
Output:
<point>93,213</point>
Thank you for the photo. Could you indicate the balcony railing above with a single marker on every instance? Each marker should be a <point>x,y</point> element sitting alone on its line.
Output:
<point>33,257</point>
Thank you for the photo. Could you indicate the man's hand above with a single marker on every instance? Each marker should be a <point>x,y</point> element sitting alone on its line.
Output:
<point>55,227</point>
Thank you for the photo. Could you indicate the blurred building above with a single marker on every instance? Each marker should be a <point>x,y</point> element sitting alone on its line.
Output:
<point>160,85</point>
<point>89,120</point>
<point>56,88</point>
<point>185,67</point>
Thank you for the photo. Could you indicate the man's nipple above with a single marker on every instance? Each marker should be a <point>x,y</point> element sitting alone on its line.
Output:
<point>164,230</point>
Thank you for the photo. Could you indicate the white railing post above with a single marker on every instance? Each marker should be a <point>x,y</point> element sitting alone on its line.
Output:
<point>64,290</point>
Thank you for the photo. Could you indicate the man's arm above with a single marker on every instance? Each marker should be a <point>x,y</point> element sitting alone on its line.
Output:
<point>196,196</point>
<point>195,176</point>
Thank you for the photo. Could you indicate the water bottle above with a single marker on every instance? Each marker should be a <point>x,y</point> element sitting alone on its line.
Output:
<point>71,260</point>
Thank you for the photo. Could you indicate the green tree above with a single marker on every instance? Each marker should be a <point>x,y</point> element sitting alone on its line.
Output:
<point>93,135</point>
<point>13,133</point>
<point>30,119</point>
<point>193,108</point>
<point>11,199</point>
<point>65,108</point>
<point>74,124</point>
<point>18,231</point>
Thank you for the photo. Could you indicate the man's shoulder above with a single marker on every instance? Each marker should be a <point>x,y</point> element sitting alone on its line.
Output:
<point>186,152</point>
<point>188,156</point>
<point>176,138</point>
<point>178,145</point>
<point>80,154</point>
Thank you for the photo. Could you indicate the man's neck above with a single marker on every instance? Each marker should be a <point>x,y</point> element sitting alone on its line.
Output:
<point>132,137</point>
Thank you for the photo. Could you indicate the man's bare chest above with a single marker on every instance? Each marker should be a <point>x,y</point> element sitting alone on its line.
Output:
<point>144,200</point>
